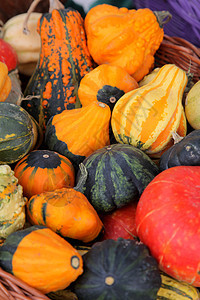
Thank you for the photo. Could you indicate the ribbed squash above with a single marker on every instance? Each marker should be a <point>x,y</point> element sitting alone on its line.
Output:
<point>41,258</point>
<point>19,133</point>
<point>78,132</point>
<point>5,82</point>
<point>126,38</point>
<point>117,270</point>
<point>172,289</point>
<point>67,212</point>
<point>105,83</point>
<point>117,175</point>
<point>147,116</point>
<point>44,170</point>
<point>64,60</point>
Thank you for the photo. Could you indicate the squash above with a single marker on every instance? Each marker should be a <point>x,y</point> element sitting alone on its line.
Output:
<point>172,289</point>
<point>105,83</point>
<point>63,61</point>
<point>116,270</point>
<point>167,222</point>
<point>192,111</point>
<point>5,82</point>
<point>19,133</point>
<point>41,258</point>
<point>78,132</point>
<point>44,170</point>
<point>12,209</point>
<point>117,175</point>
<point>67,212</point>
<point>185,151</point>
<point>28,46</point>
<point>147,116</point>
<point>125,37</point>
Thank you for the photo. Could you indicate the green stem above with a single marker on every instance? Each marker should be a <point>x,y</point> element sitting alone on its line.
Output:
<point>163,17</point>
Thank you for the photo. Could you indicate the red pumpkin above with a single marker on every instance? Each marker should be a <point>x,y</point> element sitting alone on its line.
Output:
<point>120,223</point>
<point>8,55</point>
<point>168,222</point>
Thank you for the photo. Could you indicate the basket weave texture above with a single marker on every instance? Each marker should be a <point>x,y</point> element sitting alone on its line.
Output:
<point>178,51</point>
<point>185,22</point>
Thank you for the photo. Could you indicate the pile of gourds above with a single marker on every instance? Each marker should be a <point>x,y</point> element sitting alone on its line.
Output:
<point>99,150</point>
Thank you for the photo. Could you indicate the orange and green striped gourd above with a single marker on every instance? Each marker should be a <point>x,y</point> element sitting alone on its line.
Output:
<point>147,117</point>
<point>63,61</point>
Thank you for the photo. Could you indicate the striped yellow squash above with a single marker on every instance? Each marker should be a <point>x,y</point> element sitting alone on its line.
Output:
<point>147,116</point>
<point>171,289</point>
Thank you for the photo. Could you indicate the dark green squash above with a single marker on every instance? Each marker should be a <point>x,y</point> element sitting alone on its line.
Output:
<point>117,270</point>
<point>185,152</point>
<point>117,175</point>
<point>18,133</point>
<point>64,60</point>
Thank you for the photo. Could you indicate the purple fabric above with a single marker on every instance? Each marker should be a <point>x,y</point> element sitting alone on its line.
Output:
<point>185,22</point>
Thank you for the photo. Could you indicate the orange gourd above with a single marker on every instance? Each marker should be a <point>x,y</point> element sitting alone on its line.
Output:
<point>78,132</point>
<point>123,37</point>
<point>44,170</point>
<point>5,82</point>
<point>67,212</point>
<point>106,83</point>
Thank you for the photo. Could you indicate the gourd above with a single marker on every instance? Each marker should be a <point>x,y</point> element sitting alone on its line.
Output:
<point>192,106</point>
<point>41,258</point>
<point>19,133</point>
<point>64,60</point>
<point>117,175</point>
<point>44,170</point>
<point>12,209</point>
<point>8,55</point>
<point>105,83</point>
<point>67,212</point>
<point>125,37</point>
<point>167,222</point>
<point>78,132</point>
<point>28,46</point>
<point>118,269</point>
<point>147,116</point>
<point>172,289</point>
<point>185,151</point>
<point>5,82</point>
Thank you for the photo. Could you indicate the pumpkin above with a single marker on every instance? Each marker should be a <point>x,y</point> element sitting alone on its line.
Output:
<point>78,132</point>
<point>27,46</point>
<point>41,258</point>
<point>120,223</point>
<point>64,60</point>
<point>67,212</point>
<point>147,116</point>
<point>44,170</point>
<point>105,83</point>
<point>117,175</point>
<point>5,82</point>
<point>185,151</point>
<point>12,209</point>
<point>167,222</point>
<point>192,106</point>
<point>172,289</point>
<point>121,269</point>
<point>125,37</point>
<point>19,133</point>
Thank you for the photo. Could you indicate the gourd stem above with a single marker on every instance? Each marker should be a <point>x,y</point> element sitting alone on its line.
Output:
<point>176,137</point>
<point>163,17</point>
<point>55,4</point>
<point>83,178</point>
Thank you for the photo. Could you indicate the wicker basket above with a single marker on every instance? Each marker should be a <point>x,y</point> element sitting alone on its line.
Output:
<point>185,22</point>
<point>178,51</point>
